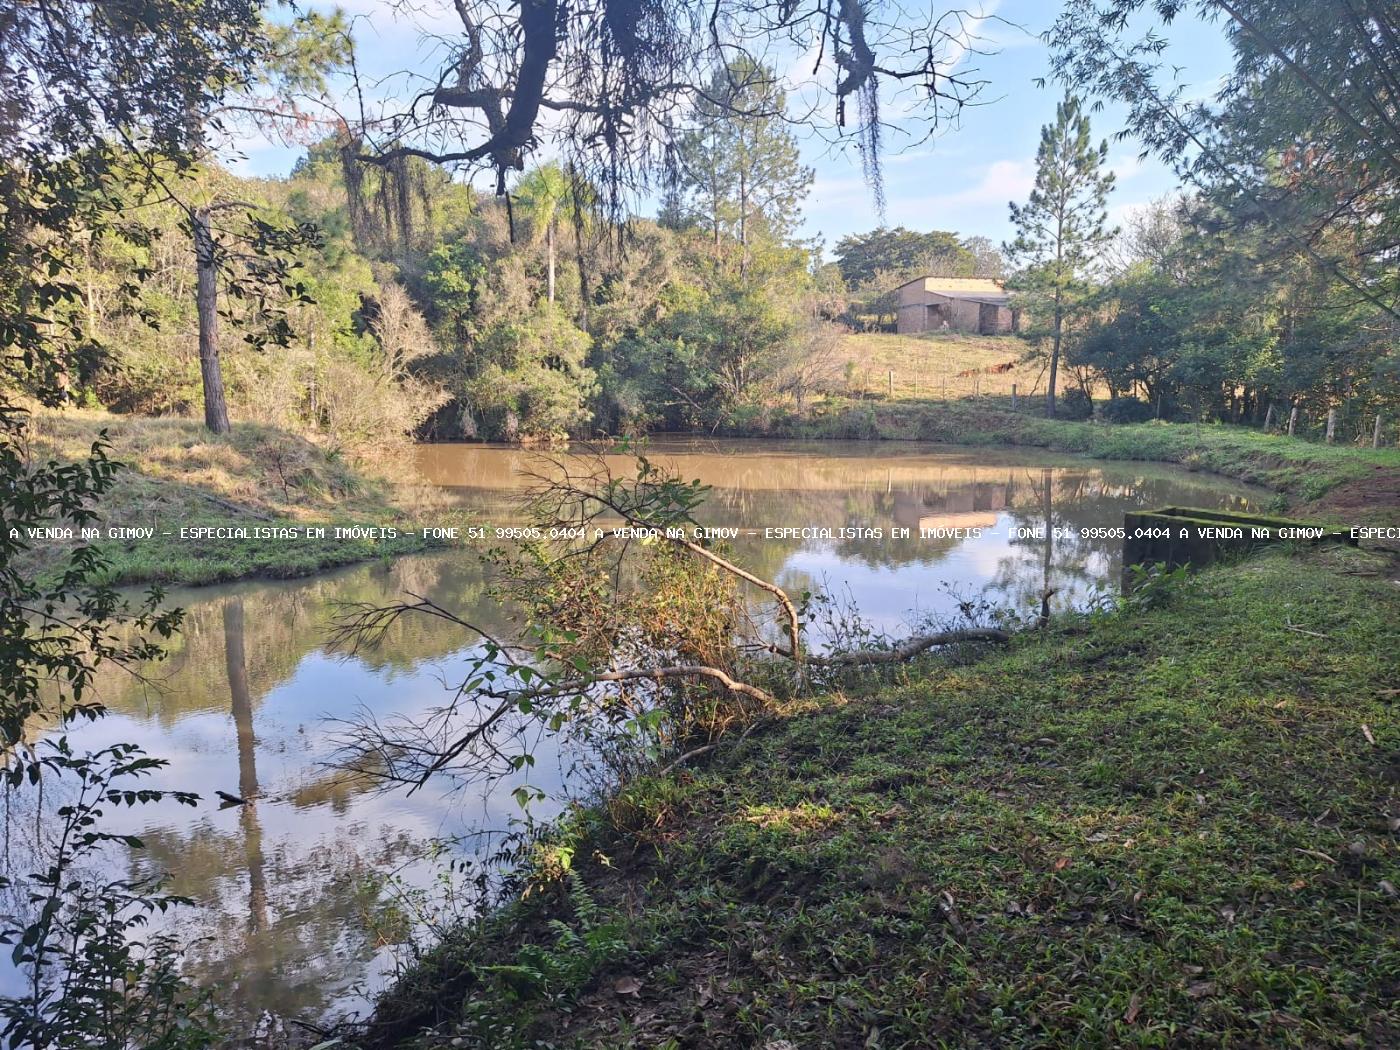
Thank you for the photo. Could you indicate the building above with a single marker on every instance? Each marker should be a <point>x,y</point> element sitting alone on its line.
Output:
<point>962,304</point>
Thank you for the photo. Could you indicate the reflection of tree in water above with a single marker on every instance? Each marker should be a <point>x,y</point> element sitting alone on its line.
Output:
<point>284,621</point>
<point>236,661</point>
<point>1073,563</point>
<point>276,931</point>
<point>1069,564</point>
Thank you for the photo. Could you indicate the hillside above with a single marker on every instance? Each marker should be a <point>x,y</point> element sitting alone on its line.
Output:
<point>938,365</point>
<point>176,474</point>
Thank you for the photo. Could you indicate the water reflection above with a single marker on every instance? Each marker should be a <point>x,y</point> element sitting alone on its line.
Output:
<point>286,883</point>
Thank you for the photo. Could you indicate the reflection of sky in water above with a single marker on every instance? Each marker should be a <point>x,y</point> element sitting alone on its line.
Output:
<point>894,598</point>
<point>282,883</point>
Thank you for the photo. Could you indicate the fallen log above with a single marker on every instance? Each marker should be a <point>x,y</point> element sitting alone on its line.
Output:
<point>910,648</point>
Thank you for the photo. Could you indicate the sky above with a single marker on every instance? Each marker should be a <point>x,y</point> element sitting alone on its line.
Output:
<point>961,180</point>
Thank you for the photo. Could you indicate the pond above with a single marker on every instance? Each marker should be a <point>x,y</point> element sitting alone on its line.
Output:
<point>287,886</point>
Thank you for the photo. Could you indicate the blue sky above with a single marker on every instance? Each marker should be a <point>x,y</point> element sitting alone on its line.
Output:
<point>961,180</point>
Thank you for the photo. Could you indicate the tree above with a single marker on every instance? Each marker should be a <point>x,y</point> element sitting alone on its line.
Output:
<point>862,257</point>
<point>1301,139</point>
<point>987,260</point>
<point>1063,226</point>
<point>613,85</point>
<point>741,165</point>
<point>91,95</point>
<point>544,192</point>
<point>1294,160</point>
<point>284,60</point>
<point>532,381</point>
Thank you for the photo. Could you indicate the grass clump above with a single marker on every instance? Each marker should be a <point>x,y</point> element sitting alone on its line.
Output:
<point>1175,825</point>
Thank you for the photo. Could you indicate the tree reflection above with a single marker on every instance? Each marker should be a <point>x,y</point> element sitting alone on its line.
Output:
<point>236,662</point>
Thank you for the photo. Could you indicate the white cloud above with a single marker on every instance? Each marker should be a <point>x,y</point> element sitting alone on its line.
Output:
<point>1125,167</point>
<point>1001,181</point>
<point>972,32</point>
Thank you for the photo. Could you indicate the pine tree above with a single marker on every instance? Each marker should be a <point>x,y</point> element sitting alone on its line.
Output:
<point>740,165</point>
<point>1063,227</point>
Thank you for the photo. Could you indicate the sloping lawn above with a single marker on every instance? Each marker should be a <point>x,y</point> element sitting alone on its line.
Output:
<point>1175,827</point>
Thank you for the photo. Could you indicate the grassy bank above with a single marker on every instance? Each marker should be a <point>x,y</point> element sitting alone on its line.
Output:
<point>1342,482</point>
<point>1170,827</point>
<point>177,474</point>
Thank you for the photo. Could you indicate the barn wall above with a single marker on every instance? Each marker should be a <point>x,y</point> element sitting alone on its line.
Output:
<point>911,319</point>
<point>966,314</point>
<point>963,314</point>
<point>996,320</point>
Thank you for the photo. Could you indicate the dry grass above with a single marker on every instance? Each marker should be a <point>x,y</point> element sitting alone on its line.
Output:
<point>178,467</point>
<point>938,365</point>
<point>941,366</point>
<point>182,475</point>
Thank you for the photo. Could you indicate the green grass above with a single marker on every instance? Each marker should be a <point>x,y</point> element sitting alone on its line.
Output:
<point>1166,828</point>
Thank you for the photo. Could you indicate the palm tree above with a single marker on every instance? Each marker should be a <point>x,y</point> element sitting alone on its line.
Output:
<point>543,193</point>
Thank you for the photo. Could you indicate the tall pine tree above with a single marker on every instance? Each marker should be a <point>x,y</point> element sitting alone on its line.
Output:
<point>1062,228</point>
<point>740,167</point>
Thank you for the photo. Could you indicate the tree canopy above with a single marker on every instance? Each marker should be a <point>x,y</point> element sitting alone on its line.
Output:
<point>612,84</point>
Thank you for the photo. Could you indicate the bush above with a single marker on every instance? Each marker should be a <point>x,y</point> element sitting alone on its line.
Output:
<point>1074,404</point>
<point>1123,410</point>
<point>535,384</point>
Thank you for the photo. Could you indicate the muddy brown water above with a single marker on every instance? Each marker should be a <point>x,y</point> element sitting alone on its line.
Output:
<point>288,919</point>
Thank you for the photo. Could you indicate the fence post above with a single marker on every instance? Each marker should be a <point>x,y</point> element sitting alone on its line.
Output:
<point>1331,425</point>
<point>1292,420</point>
<point>891,382</point>
<point>1013,397</point>
<point>1376,434</point>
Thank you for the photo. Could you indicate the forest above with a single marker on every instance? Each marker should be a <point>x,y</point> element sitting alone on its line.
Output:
<point>405,304</point>
<point>507,578</point>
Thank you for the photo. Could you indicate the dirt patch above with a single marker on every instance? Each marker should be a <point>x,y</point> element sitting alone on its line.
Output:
<point>1374,499</point>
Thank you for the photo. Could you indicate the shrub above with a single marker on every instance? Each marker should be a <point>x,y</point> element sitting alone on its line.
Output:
<point>1074,404</point>
<point>1123,410</point>
<point>535,383</point>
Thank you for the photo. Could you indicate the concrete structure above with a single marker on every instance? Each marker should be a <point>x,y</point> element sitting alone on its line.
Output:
<point>1192,536</point>
<point>962,304</point>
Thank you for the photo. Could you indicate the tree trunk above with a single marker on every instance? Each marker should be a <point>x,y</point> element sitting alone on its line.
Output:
<point>744,226</point>
<point>549,237</point>
<point>207,300</point>
<point>1054,364</point>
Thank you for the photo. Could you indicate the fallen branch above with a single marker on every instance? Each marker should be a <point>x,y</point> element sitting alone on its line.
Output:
<point>1302,630</point>
<point>905,650</point>
<point>687,671</point>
